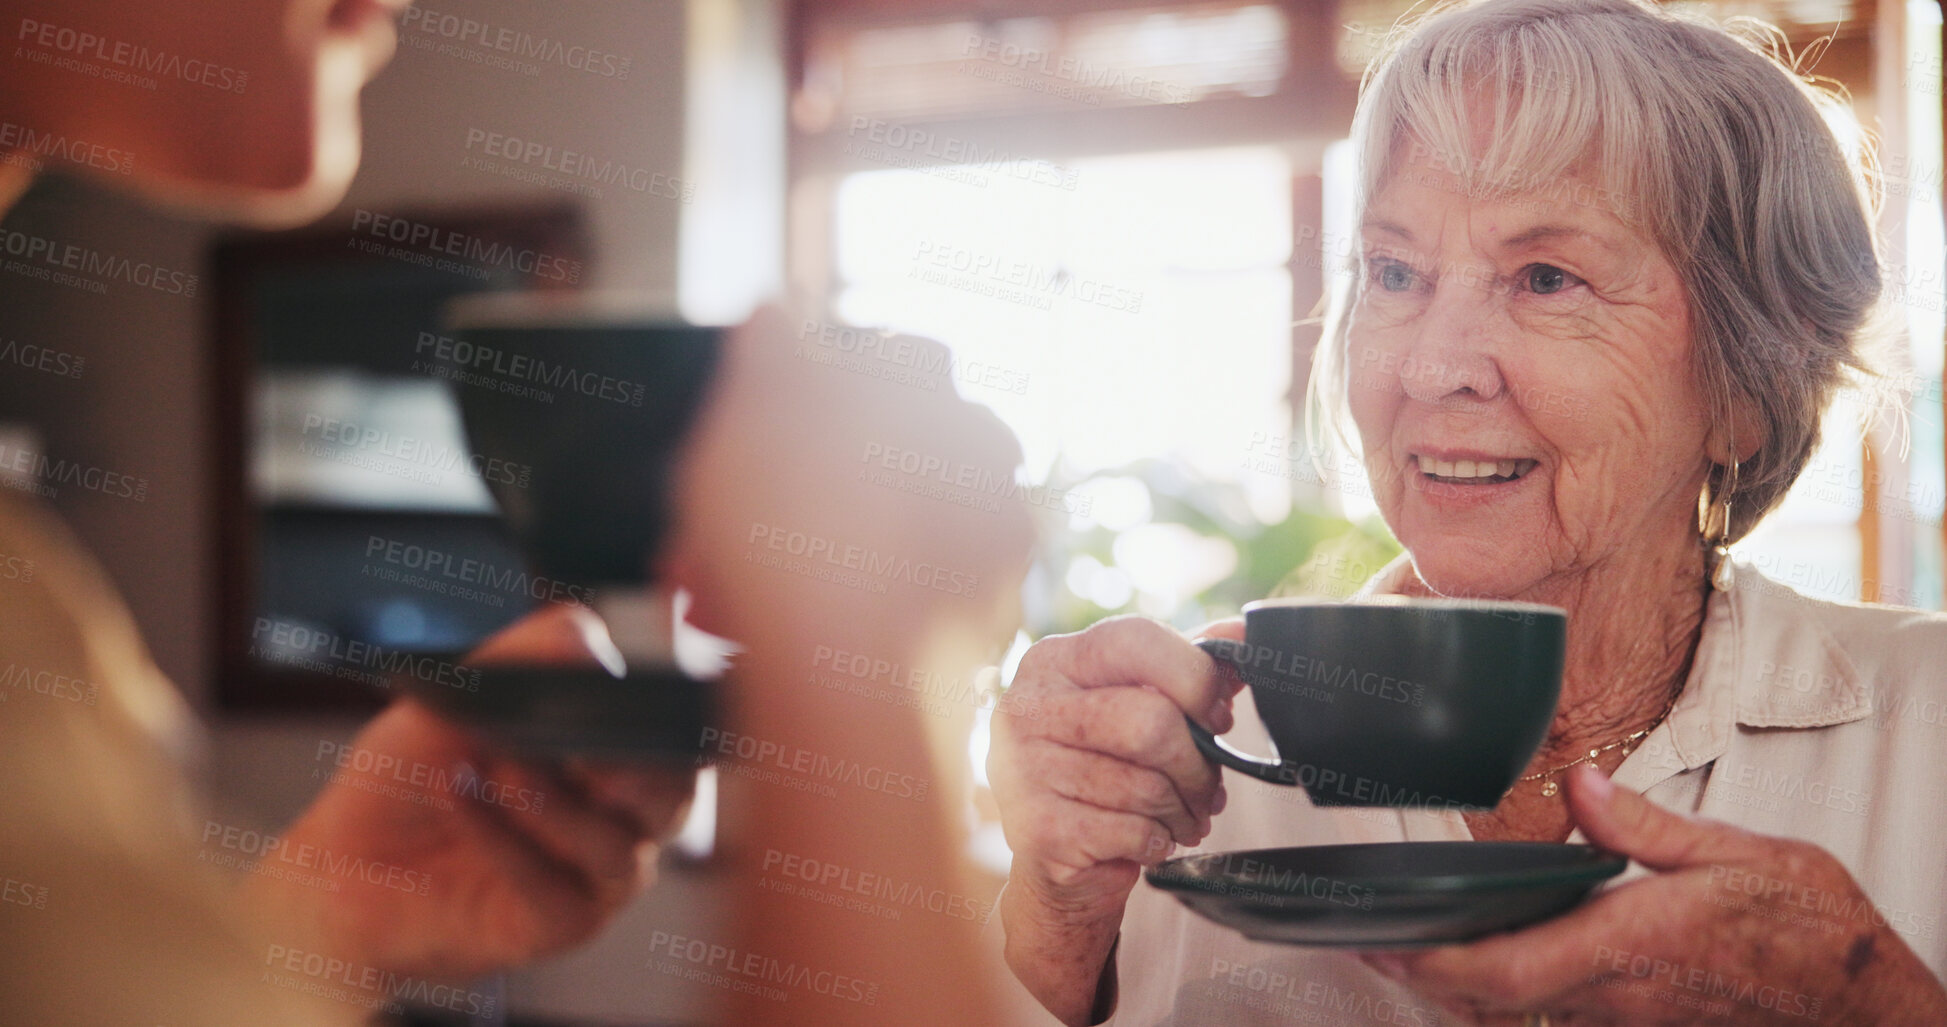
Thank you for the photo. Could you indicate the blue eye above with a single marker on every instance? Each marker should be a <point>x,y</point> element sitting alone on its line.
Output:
<point>1392,275</point>
<point>1545,279</point>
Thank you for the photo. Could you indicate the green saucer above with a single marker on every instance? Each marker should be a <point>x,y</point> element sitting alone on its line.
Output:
<point>1386,896</point>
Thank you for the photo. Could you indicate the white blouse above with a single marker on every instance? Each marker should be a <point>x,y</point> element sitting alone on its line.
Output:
<point>1801,718</point>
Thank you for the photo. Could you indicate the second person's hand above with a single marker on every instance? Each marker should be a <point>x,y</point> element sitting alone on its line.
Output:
<point>473,860</point>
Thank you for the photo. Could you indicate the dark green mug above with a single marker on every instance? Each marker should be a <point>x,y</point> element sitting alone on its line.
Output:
<point>1396,701</point>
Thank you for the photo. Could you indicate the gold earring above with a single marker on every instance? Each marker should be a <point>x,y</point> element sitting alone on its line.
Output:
<point>1714,524</point>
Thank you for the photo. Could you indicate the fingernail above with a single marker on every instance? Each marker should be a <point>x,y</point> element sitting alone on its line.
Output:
<point>1597,784</point>
<point>1217,804</point>
<point>1220,717</point>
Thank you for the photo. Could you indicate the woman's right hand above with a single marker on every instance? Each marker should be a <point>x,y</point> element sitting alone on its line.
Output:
<point>1096,777</point>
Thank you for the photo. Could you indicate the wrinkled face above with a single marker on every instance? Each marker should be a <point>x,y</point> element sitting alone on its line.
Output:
<point>247,106</point>
<point>1519,373</point>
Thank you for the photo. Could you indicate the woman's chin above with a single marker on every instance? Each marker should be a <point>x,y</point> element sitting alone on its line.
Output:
<point>268,202</point>
<point>287,208</point>
<point>1471,575</point>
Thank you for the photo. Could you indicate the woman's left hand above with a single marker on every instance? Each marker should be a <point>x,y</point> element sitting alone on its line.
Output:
<point>1731,928</point>
<point>437,857</point>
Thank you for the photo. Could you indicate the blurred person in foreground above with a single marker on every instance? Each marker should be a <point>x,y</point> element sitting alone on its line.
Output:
<point>111,918</point>
<point>1612,268</point>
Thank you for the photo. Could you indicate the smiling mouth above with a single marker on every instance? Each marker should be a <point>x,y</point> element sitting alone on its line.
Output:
<point>1473,472</point>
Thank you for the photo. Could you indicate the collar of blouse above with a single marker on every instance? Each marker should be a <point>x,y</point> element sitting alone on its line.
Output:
<point>1767,659</point>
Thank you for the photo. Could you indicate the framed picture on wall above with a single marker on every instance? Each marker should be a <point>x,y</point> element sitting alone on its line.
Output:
<point>356,537</point>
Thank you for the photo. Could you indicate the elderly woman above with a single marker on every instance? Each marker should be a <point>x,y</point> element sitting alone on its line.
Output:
<point>1613,267</point>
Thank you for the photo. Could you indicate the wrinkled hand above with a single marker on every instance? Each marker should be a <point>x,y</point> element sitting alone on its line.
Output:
<point>473,861</point>
<point>1732,928</point>
<point>1096,777</point>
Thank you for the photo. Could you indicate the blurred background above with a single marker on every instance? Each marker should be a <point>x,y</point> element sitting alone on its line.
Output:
<point>1119,216</point>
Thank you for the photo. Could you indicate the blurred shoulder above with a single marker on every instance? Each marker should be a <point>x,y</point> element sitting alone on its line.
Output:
<point>66,639</point>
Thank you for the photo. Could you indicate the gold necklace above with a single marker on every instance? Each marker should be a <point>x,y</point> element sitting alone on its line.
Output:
<point>1548,790</point>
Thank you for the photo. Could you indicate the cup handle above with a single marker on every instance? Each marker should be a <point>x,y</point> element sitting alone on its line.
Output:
<point>1223,752</point>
